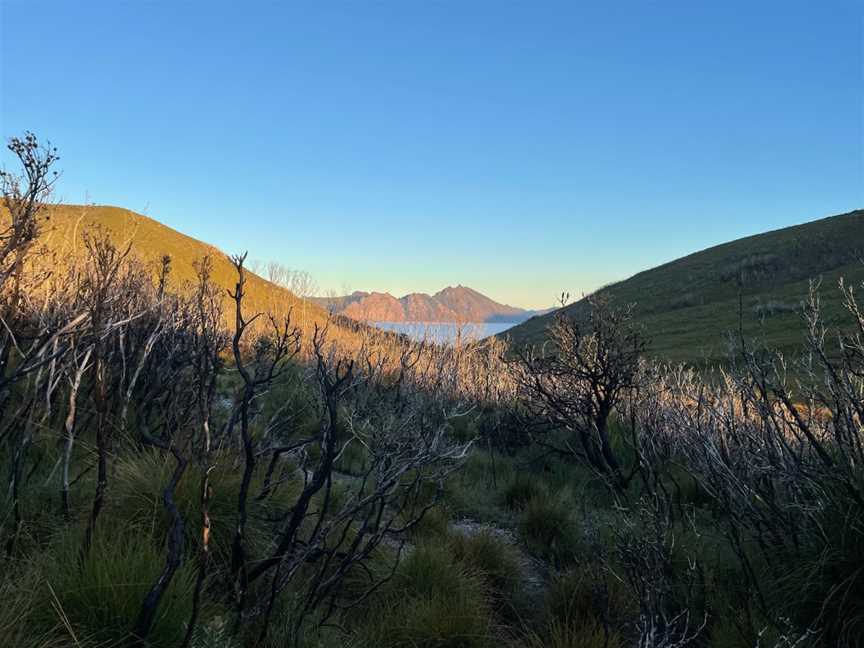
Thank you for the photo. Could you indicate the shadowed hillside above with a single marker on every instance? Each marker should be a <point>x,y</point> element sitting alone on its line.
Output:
<point>689,306</point>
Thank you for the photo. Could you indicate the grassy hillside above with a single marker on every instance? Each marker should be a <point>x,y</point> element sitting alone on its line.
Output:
<point>689,306</point>
<point>65,225</point>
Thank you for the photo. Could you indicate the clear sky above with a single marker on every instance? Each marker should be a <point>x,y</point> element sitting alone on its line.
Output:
<point>518,148</point>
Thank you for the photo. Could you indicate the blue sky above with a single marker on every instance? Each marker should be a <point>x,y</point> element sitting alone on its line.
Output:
<point>519,148</point>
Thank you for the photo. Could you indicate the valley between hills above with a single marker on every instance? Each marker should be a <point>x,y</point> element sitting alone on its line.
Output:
<point>197,456</point>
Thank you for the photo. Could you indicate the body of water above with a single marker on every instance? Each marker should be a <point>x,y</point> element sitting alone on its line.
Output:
<point>444,332</point>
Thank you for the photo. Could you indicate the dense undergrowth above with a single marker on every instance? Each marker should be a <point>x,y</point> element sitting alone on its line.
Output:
<point>172,482</point>
<point>550,581</point>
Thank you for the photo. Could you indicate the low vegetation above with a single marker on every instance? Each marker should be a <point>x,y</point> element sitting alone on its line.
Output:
<point>184,469</point>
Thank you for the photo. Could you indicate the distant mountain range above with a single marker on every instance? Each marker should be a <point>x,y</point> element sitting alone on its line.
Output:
<point>453,304</point>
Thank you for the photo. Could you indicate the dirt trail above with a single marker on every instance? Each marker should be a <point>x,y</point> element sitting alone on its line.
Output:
<point>534,573</point>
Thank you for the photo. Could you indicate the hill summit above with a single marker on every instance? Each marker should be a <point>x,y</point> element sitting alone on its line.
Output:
<point>689,307</point>
<point>65,227</point>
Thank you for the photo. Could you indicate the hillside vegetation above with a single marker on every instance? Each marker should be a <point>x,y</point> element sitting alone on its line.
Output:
<point>65,226</point>
<point>689,306</point>
<point>176,477</point>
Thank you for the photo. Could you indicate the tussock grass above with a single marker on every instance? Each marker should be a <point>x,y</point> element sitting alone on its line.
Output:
<point>827,583</point>
<point>97,600</point>
<point>520,489</point>
<point>135,498</point>
<point>473,491</point>
<point>581,609</point>
<point>561,634</point>
<point>548,529</point>
<point>22,592</point>
<point>433,526</point>
<point>494,560</point>
<point>583,594</point>
<point>432,601</point>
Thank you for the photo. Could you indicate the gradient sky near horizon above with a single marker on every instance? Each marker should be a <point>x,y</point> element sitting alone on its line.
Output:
<point>521,149</point>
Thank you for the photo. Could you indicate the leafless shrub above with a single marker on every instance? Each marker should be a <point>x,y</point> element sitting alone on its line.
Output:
<point>775,446</point>
<point>578,381</point>
<point>645,546</point>
<point>755,267</point>
<point>25,195</point>
<point>106,353</point>
<point>401,429</point>
<point>774,307</point>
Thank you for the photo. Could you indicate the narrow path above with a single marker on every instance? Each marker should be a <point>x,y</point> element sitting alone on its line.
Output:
<point>534,573</point>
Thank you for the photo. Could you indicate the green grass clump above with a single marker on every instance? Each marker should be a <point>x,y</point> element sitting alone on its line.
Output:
<point>432,601</point>
<point>576,605</point>
<point>581,595</point>
<point>493,559</point>
<point>826,581</point>
<point>434,525</point>
<point>97,600</point>
<point>39,498</point>
<point>135,496</point>
<point>520,489</point>
<point>472,491</point>
<point>22,592</point>
<point>548,529</point>
<point>463,428</point>
<point>559,634</point>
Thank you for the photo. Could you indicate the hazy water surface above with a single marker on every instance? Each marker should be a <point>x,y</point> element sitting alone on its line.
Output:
<point>443,332</point>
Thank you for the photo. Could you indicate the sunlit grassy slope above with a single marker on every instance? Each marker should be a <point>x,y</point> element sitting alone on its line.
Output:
<point>689,306</point>
<point>65,226</point>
